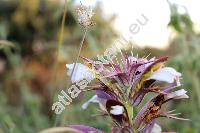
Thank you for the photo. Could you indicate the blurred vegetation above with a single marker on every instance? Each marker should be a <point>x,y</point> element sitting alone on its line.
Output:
<point>29,32</point>
<point>187,47</point>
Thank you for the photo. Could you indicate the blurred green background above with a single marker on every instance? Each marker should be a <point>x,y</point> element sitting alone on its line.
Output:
<point>31,73</point>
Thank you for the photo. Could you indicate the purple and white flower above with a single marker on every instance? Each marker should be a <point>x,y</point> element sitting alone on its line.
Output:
<point>121,87</point>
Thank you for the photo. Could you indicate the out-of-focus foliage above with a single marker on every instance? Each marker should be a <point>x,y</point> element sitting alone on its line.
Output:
<point>181,22</point>
<point>187,47</point>
<point>29,31</point>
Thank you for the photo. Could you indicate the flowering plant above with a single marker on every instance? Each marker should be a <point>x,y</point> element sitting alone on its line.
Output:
<point>121,87</point>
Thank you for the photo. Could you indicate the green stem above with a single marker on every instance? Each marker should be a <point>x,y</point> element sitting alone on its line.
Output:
<point>130,111</point>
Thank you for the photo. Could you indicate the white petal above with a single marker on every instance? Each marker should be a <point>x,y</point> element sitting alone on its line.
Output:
<point>94,99</point>
<point>166,74</point>
<point>181,97</point>
<point>156,129</point>
<point>178,94</point>
<point>117,110</point>
<point>81,72</point>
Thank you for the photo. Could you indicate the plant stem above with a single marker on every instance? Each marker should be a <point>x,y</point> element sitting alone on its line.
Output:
<point>79,52</point>
<point>60,42</point>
